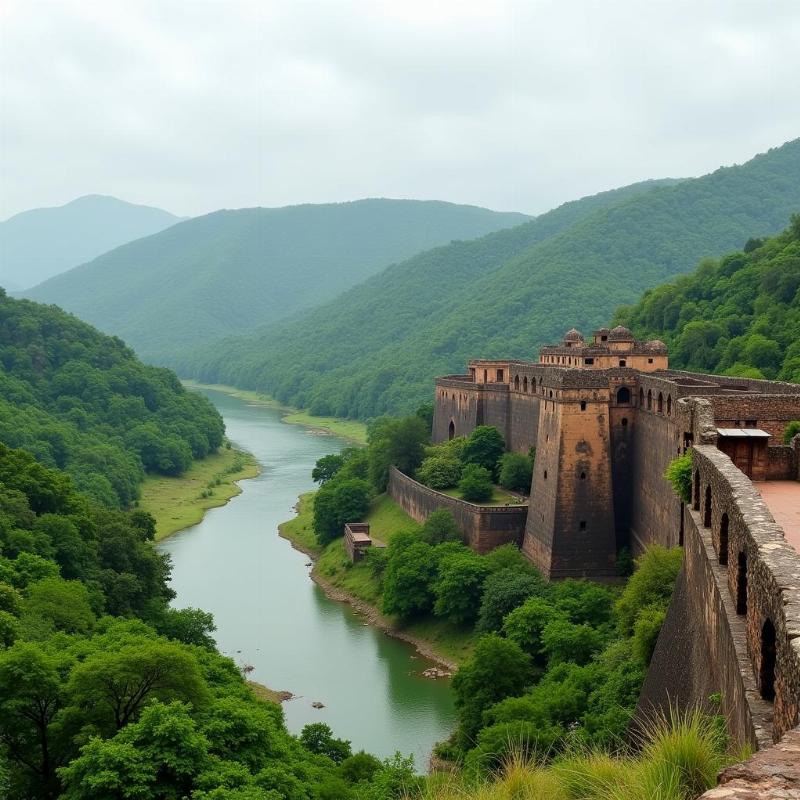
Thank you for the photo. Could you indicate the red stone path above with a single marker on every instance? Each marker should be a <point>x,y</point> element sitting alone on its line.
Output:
<point>782,498</point>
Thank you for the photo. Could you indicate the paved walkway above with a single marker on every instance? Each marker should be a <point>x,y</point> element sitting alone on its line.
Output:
<point>783,501</point>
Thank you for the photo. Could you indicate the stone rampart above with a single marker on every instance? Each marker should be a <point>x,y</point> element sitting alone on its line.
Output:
<point>734,621</point>
<point>485,527</point>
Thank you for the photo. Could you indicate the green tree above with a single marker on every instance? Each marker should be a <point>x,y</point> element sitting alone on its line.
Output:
<point>516,472</point>
<point>503,591</point>
<point>476,484</point>
<point>459,587</point>
<point>359,767</point>
<point>650,585</point>
<point>318,738</point>
<point>484,447</point>
<point>114,685</point>
<point>525,624</point>
<point>498,669</point>
<point>792,429</point>
<point>58,604</point>
<point>339,502</point>
<point>439,472</point>
<point>409,576</point>
<point>326,468</point>
<point>563,640</point>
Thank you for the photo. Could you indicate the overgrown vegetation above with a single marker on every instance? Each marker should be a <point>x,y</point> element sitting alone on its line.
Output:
<point>82,402</point>
<point>739,315</point>
<point>679,760</point>
<point>106,691</point>
<point>679,474</point>
<point>505,294</point>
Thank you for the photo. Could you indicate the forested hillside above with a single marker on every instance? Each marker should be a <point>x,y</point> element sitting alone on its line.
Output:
<point>36,245</point>
<point>231,271</point>
<point>739,315</point>
<point>378,347</point>
<point>81,401</point>
<point>107,692</point>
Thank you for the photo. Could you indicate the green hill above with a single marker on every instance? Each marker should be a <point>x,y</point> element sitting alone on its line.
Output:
<point>230,271</point>
<point>38,244</point>
<point>82,402</point>
<point>378,347</point>
<point>739,315</point>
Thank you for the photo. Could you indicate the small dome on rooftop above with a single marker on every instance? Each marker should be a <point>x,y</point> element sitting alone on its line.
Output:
<point>573,335</point>
<point>620,334</point>
<point>656,345</point>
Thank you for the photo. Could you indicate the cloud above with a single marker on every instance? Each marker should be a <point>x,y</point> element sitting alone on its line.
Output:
<point>199,104</point>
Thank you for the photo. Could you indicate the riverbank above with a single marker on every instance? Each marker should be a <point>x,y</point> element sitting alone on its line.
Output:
<point>446,645</point>
<point>352,430</point>
<point>178,502</point>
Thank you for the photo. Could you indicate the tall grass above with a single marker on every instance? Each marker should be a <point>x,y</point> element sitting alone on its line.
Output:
<point>678,759</point>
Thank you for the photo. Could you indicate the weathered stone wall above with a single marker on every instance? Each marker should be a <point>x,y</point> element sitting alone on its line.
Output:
<point>737,605</point>
<point>523,421</point>
<point>771,774</point>
<point>763,574</point>
<point>780,463</point>
<point>655,511</point>
<point>485,527</point>
<point>770,412</point>
<point>457,401</point>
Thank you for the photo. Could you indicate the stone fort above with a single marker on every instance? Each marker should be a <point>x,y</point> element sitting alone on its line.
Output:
<point>606,416</point>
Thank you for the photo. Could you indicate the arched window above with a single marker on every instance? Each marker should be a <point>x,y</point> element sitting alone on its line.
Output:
<point>649,399</point>
<point>741,584</point>
<point>707,508</point>
<point>660,408</point>
<point>767,671</point>
<point>669,405</point>
<point>516,383</point>
<point>451,431</point>
<point>696,500</point>
<point>641,398</point>
<point>525,384</point>
<point>623,396</point>
<point>723,539</point>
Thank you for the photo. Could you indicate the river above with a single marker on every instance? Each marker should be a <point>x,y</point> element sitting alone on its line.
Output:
<point>269,613</point>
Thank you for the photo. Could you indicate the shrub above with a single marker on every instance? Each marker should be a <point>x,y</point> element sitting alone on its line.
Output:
<point>484,447</point>
<point>503,591</point>
<point>441,527</point>
<point>439,472</point>
<point>516,470</point>
<point>792,429</point>
<point>679,474</point>
<point>476,484</point>
<point>338,502</point>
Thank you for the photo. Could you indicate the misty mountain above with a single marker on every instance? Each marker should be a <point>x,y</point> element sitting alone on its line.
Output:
<point>231,271</point>
<point>377,348</point>
<point>36,245</point>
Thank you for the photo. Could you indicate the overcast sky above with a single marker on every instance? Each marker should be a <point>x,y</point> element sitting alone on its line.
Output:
<point>194,105</point>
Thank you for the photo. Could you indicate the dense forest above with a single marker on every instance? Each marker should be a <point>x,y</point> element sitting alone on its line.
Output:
<point>377,348</point>
<point>230,271</point>
<point>36,245</point>
<point>106,692</point>
<point>739,315</point>
<point>81,401</point>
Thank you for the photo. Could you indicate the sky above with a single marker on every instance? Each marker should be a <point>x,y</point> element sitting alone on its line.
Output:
<point>195,105</point>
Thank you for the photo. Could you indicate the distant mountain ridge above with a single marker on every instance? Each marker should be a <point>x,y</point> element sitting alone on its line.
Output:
<point>503,295</point>
<point>230,271</point>
<point>36,245</point>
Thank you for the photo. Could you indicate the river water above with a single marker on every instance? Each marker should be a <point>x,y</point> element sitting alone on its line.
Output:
<point>269,613</point>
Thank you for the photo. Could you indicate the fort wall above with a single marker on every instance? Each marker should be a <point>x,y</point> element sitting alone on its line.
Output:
<point>734,621</point>
<point>485,527</point>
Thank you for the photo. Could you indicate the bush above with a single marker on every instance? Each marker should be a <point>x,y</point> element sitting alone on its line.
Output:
<point>484,447</point>
<point>439,472</point>
<point>338,502</point>
<point>441,527</point>
<point>503,592</point>
<point>792,429</point>
<point>516,471</point>
<point>476,484</point>
<point>679,474</point>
